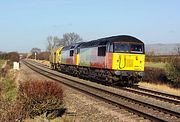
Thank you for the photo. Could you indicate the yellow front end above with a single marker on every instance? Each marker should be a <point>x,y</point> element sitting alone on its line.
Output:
<point>128,62</point>
<point>58,55</point>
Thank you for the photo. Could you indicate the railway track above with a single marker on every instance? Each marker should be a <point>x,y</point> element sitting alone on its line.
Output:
<point>146,92</point>
<point>174,99</point>
<point>138,106</point>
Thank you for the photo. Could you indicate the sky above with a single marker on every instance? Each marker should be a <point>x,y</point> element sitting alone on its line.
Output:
<point>25,24</point>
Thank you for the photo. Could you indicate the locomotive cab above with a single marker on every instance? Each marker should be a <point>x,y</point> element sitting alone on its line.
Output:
<point>127,59</point>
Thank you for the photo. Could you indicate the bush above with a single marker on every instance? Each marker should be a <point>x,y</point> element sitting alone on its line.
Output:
<point>13,56</point>
<point>155,75</point>
<point>41,97</point>
<point>43,56</point>
<point>36,98</point>
<point>173,70</point>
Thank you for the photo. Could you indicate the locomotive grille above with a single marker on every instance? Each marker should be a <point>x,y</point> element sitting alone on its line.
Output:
<point>129,63</point>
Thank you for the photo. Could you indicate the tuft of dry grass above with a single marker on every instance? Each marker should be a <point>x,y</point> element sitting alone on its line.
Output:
<point>156,65</point>
<point>161,87</point>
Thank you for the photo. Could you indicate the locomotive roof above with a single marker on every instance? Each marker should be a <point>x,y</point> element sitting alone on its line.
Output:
<point>72,46</point>
<point>104,41</point>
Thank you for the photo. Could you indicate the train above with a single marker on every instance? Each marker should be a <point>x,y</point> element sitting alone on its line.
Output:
<point>110,60</point>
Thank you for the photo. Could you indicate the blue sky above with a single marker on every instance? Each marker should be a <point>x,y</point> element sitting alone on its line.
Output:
<point>27,23</point>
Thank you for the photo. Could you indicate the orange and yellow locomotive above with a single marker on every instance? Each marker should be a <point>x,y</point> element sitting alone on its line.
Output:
<point>116,59</point>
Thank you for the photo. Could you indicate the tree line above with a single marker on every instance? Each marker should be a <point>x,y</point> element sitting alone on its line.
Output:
<point>67,39</point>
<point>55,42</point>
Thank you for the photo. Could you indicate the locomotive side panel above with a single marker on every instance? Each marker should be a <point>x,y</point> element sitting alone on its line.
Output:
<point>109,60</point>
<point>96,60</point>
<point>67,57</point>
<point>84,57</point>
<point>89,57</point>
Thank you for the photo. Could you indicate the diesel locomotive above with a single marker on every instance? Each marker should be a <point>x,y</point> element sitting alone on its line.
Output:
<point>112,60</point>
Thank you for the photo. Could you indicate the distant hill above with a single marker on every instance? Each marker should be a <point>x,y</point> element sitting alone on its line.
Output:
<point>162,49</point>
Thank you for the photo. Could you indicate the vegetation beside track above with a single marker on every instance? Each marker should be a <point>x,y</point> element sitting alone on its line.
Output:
<point>160,65</point>
<point>162,71</point>
<point>2,63</point>
<point>32,99</point>
<point>8,91</point>
<point>161,87</point>
<point>29,99</point>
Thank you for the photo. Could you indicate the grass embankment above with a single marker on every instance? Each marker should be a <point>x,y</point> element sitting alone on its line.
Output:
<point>161,87</point>
<point>9,89</point>
<point>2,63</point>
<point>8,94</point>
<point>156,65</point>
<point>7,85</point>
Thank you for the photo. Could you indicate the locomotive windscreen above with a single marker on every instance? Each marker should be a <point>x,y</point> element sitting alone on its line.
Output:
<point>136,48</point>
<point>126,47</point>
<point>120,47</point>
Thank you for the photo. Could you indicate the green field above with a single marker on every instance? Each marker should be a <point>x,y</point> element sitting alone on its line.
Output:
<point>1,63</point>
<point>155,65</point>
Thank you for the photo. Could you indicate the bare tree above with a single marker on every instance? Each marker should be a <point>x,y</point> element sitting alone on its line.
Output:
<point>70,38</point>
<point>35,50</point>
<point>53,42</point>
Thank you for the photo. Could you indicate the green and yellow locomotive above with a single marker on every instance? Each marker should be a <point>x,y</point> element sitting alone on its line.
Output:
<point>116,59</point>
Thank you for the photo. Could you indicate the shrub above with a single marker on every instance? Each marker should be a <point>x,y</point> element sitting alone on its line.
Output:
<point>43,56</point>
<point>155,75</point>
<point>41,97</point>
<point>13,56</point>
<point>173,69</point>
